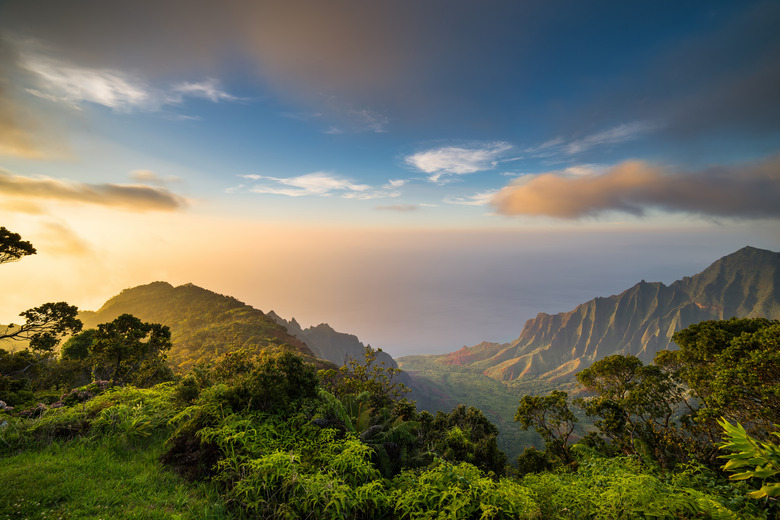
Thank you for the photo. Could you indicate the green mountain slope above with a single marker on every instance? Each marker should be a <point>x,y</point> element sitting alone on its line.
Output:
<point>639,321</point>
<point>203,324</point>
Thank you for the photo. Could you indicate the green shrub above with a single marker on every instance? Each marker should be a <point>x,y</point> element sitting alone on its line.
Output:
<point>460,491</point>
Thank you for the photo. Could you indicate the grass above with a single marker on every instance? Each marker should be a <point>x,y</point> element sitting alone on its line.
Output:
<point>92,480</point>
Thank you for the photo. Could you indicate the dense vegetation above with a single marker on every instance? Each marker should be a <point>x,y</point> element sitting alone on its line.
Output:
<point>103,428</point>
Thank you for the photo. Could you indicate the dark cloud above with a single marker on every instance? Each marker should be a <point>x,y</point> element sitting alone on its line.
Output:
<point>722,80</point>
<point>353,58</point>
<point>131,197</point>
<point>747,191</point>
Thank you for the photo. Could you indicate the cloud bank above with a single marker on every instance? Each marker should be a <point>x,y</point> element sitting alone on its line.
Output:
<point>747,191</point>
<point>131,197</point>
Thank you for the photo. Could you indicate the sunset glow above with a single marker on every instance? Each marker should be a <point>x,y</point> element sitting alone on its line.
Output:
<point>425,175</point>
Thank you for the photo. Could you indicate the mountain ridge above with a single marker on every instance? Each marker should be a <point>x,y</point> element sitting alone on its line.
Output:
<point>203,324</point>
<point>327,343</point>
<point>638,321</point>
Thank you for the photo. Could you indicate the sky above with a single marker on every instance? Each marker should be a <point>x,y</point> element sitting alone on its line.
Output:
<point>425,175</point>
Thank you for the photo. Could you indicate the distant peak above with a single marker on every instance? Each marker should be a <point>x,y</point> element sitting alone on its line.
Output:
<point>750,251</point>
<point>747,254</point>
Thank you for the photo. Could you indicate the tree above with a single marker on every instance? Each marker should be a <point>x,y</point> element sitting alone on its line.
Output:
<point>12,247</point>
<point>731,369</point>
<point>45,326</point>
<point>634,407</point>
<point>551,417</point>
<point>367,376</point>
<point>128,350</point>
<point>77,347</point>
<point>463,435</point>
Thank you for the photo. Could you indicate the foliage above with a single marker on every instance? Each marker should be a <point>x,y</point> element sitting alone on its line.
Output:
<point>45,326</point>
<point>77,346</point>
<point>747,453</point>
<point>463,435</point>
<point>127,350</point>
<point>731,369</point>
<point>96,411</point>
<point>621,488</point>
<point>12,247</point>
<point>634,407</point>
<point>551,417</point>
<point>436,387</point>
<point>366,375</point>
<point>460,491</point>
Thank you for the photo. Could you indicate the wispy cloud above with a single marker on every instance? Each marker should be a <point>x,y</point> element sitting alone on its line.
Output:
<point>67,83</point>
<point>59,239</point>
<point>132,197</point>
<point>61,81</point>
<point>458,160</point>
<point>568,147</point>
<point>370,121</point>
<point>401,208</point>
<point>478,199</point>
<point>148,176</point>
<point>749,190</point>
<point>321,184</point>
<point>208,89</point>
<point>618,134</point>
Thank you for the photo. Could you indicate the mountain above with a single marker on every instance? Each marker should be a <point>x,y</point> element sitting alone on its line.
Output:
<point>638,321</point>
<point>326,343</point>
<point>203,324</point>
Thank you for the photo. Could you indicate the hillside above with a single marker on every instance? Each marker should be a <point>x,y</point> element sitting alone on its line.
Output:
<point>327,343</point>
<point>639,321</point>
<point>203,324</point>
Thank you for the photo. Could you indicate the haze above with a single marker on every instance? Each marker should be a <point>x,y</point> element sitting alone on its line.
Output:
<point>424,175</point>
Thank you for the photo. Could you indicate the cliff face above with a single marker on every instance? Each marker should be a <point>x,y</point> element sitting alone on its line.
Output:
<point>638,321</point>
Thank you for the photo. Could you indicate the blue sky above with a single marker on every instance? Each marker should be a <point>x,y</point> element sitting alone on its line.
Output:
<point>334,142</point>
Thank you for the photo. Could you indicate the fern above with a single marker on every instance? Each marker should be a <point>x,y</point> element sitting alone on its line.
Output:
<point>747,453</point>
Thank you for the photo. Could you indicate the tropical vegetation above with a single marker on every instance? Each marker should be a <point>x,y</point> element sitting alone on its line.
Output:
<point>103,427</point>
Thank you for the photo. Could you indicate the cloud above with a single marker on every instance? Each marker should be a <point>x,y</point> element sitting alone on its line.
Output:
<point>131,197</point>
<point>59,239</point>
<point>148,176</point>
<point>320,184</point>
<point>370,121</point>
<point>67,83</point>
<point>401,208</point>
<point>208,89</point>
<point>618,134</point>
<point>749,191</point>
<point>22,133</point>
<point>478,199</point>
<point>22,206</point>
<point>64,82</point>
<point>457,160</point>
